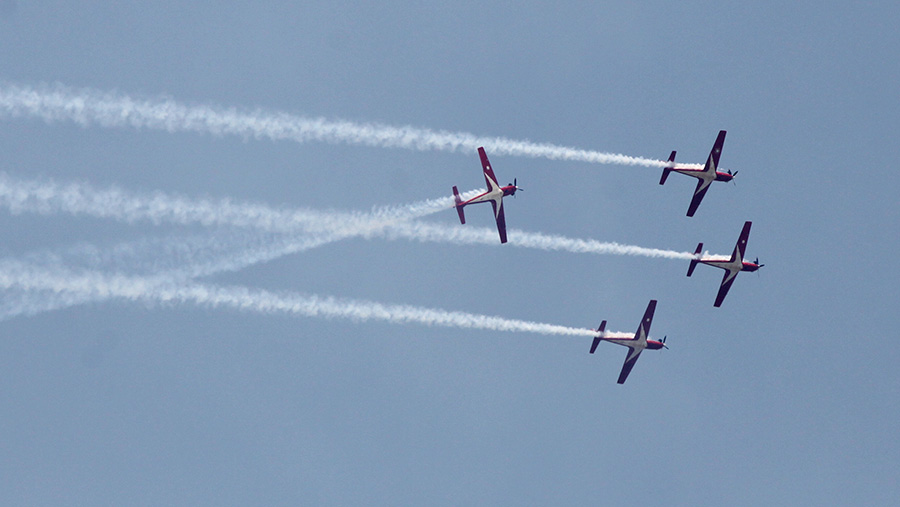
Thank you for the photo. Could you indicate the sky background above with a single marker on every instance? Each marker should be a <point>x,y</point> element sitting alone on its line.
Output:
<point>785,395</point>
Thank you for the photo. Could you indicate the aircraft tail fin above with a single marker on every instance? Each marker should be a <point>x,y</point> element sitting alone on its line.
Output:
<point>598,338</point>
<point>459,208</point>
<point>668,168</point>
<point>695,260</point>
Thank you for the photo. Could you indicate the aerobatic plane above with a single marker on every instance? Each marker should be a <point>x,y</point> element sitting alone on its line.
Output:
<point>706,176</point>
<point>732,266</point>
<point>495,194</point>
<point>636,343</point>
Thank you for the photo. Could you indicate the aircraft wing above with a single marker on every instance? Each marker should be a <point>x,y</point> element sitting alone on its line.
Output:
<point>643,329</point>
<point>640,341</point>
<point>712,163</point>
<point>699,192</point>
<point>630,359</point>
<point>489,179</point>
<point>501,219</point>
<point>741,246</point>
<point>727,280</point>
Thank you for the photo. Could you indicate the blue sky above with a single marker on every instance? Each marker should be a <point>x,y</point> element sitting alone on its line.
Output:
<point>785,395</point>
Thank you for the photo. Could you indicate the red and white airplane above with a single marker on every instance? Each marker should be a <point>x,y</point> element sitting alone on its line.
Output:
<point>495,194</point>
<point>732,266</point>
<point>635,343</point>
<point>707,175</point>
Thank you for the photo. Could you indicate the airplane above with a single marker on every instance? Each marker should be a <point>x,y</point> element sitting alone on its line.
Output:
<point>707,175</point>
<point>495,194</point>
<point>636,343</point>
<point>732,266</point>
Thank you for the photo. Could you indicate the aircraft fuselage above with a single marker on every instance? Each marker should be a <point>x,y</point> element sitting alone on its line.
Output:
<point>493,195</point>
<point>729,265</point>
<point>703,175</point>
<point>632,343</point>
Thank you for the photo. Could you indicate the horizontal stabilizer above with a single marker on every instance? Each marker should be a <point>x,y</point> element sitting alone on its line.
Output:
<point>668,168</point>
<point>696,259</point>
<point>459,208</point>
<point>597,339</point>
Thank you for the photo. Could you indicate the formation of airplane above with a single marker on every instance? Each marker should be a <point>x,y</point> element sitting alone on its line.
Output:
<point>732,266</point>
<point>494,195</point>
<point>635,343</point>
<point>640,340</point>
<point>705,176</point>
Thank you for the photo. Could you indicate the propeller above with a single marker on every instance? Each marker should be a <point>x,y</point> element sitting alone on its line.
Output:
<point>514,184</point>
<point>733,175</point>
<point>758,265</point>
<point>663,341</point>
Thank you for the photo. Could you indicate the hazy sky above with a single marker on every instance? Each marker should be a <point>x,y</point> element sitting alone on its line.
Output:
<point>785,395</point>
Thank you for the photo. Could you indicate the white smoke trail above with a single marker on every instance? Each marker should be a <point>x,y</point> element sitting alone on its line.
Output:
<point>77,286</point>
<point>83,199</point>
<point>48,197</point>
<point>179,253</point>
<point>92,107</point>
<point>204,257</point>
<point>174,259</point>
<point>46,288</point>
<point>420,231</point>
<point>196,258</point>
